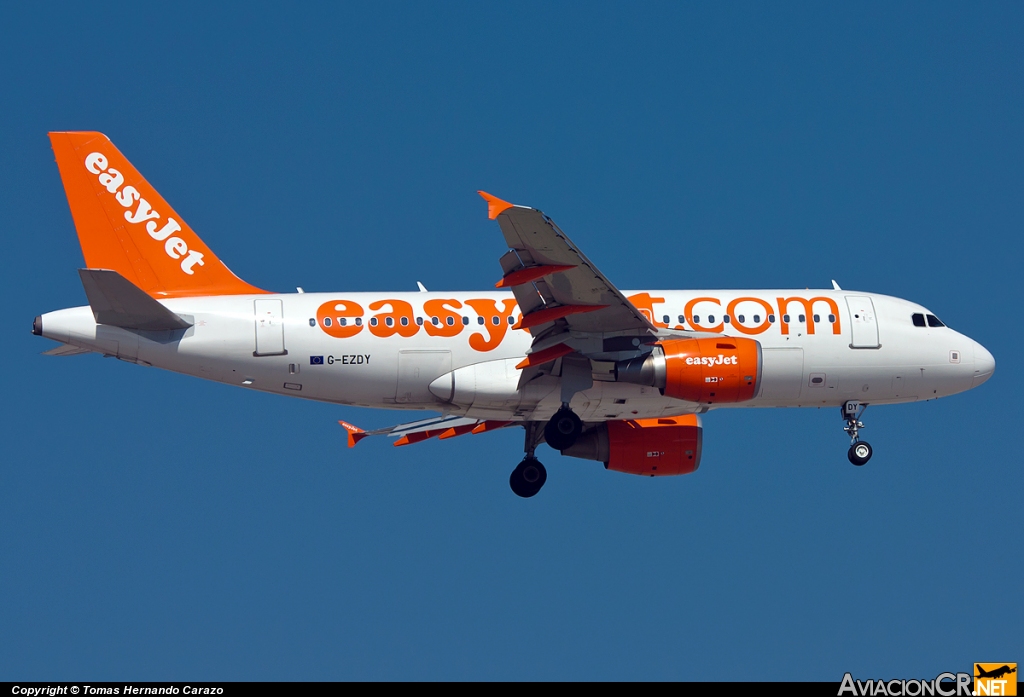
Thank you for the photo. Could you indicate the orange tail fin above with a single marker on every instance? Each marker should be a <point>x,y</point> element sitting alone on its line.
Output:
<point>125,225</point>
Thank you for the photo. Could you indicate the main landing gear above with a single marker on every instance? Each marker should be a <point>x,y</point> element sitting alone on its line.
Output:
<point>529,475</point>
<point>860,451</point>
<point>563,429</point>
<point>560,433</point>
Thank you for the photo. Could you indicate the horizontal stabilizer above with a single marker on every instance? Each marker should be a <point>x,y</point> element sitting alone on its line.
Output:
<point>66,350</point>
<point>120,303</point>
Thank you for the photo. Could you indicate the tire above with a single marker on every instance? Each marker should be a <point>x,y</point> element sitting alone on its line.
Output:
<point>563,429</point>
<point>527,478</point>
<point>860,452</point>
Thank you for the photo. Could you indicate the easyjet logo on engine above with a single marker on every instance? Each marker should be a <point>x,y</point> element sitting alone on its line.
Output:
<point>712,360</point>
<point>128,196</point>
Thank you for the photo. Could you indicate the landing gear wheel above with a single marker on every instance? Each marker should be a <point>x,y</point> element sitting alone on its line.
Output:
<point>528,477</point>
<point>563,429</point>
<point>860,453</point>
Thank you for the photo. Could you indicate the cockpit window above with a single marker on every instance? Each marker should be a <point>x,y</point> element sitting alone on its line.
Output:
<point>934,321</point>
<point>918,319</point>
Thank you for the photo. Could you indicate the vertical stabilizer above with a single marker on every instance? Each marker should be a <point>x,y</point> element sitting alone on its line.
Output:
<point>125,225</point>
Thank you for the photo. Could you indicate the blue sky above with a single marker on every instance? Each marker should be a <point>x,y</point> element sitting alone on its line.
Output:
<point>155,526</point>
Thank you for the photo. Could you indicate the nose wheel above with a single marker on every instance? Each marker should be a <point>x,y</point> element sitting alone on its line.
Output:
<point>860,451</point>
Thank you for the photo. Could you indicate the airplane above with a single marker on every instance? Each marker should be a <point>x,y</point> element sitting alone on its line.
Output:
<point>995,673</point>
<point>618,377</point>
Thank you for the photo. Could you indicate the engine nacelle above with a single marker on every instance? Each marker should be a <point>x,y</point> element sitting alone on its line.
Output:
<point>651,447</point>
<point>710,371</point>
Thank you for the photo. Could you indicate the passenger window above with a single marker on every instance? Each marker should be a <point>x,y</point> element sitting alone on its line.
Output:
<point>934,321</point>
<point>465,321</point>
<point>312,322</point>
<point>682,319</point>
<point>696,319</point>
<point>771,319</point>
<point>479,320</point>
<point>359,321</point>
<point>495,320</point>
<point>802,318</point>
<point>373,321</point>
<point>666,319</point>
<point>785,318</point>
<point>757,319</point>
<point>327,321</point>
<point>742,319</point>
<point>511,319</point>
<point>711,319</point>
<point>342,321</point>
<point>817,318</point>
<point>405,321</point>
<point>434,321</point>
<point>725,319</point>
<point>389,321</point>
<point>419,321</point>
<point>918,319</point>
<point>450,321</point>
<point>832,319</point>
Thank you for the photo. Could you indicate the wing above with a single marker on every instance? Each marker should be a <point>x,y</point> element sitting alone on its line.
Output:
<point>568,305</point>
<point>437,427</point>
<point>558,289</point>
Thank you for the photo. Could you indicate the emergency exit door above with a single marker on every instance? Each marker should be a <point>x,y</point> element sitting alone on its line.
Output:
<point>269,328</point>
<point>864,325</point>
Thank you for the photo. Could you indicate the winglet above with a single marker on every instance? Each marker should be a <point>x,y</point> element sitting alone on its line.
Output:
<point>495,206</point>
<point>355,434</point>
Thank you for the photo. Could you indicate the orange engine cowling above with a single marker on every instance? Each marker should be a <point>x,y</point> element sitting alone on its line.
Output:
<point>651,447</point>
<point>710,371</point>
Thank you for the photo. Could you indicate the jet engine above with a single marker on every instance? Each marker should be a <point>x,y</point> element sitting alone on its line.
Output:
<point>651,447</point>
<point>709,371</point>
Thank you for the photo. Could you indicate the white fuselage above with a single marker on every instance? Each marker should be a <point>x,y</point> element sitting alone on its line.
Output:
<point>862,347</point>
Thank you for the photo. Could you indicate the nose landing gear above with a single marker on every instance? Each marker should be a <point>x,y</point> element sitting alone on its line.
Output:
<point>860,451</point>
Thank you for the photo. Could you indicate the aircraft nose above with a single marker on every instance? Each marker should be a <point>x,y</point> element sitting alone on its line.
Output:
<point>984,364</point>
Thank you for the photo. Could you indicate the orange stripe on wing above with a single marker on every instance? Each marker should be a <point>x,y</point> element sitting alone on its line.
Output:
<point>419,436</point>
<point>546,356</point>
<point>489,425</point>
<point>550,314</point>
<point>456,431</point>
<point>529,274</point>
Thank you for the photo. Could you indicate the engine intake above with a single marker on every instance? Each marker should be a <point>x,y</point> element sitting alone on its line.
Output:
<point>649,447</point>
<point>709,371</point>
